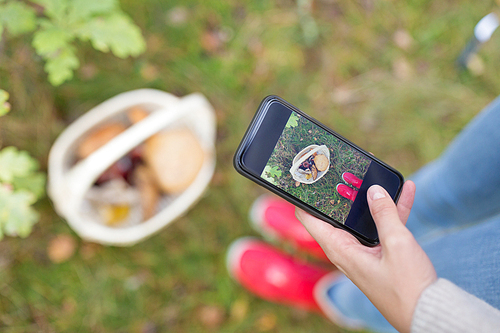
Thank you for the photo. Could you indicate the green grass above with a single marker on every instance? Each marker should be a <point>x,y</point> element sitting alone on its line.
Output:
<point>403,105</point>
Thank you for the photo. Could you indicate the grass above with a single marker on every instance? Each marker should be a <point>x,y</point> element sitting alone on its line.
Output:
<point>402,104</point>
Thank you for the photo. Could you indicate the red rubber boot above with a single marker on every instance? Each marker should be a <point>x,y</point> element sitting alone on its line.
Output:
<point>346,192</point>
<point>273,275</point>
<point>275,219</point>
<point>349,178</point>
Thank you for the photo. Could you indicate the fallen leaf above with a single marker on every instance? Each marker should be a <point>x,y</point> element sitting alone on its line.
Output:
<point>177,16</point>
<point>88,250</point>
<point>344,96</point>
<point>69,306</point>
<point>266,322</point>
<point>211,316</point>
<point>88,71</point>
<point>402,69</point>
<point>149,72</point>
<point>154,43</point>
<point>239,309</point>
<point>403,39</point>
<point>171,314</point>
<point>61,248</point>
<point>210,41</point>
<point>475,65</point>
<point>149,327</point>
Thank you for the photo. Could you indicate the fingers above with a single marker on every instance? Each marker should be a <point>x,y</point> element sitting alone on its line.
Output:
<point>384,211</point>
<point>406,201</point>
<point>320,230</point>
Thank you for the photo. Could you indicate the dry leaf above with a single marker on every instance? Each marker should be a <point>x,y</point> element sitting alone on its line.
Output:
<point>88,71</point>
<point>267,322</point>
<point>402,69</point>
<point>344,96</point>
<point>177,16</point>
<point>403,39</point>
<point>239,309</point>
<point>89,250</point>
<point>69,306</point>
<point>149,72</point>
<point>210,41</point>
<point>475,65</point>
<point>61,248</point>
<point>211,316</point>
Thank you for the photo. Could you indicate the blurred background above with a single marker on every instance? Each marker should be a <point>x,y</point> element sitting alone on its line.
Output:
<point>380,72</point>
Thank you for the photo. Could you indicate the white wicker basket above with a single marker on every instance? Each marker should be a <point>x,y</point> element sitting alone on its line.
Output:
<point>303,155</point>
<point>69,182</point>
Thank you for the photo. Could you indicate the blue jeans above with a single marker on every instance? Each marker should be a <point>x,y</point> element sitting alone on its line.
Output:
<point>455,218</point>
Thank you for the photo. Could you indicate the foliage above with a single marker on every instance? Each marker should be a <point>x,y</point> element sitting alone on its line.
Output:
<point>21,185</point>
<point>4,105</point>
<point>166,283</point>
<point>270,172</point>
<point>101,22</point>
<point>292,121</point>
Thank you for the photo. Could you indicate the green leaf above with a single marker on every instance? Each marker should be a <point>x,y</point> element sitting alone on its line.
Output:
<point>15,163</point>
<point>33,183</point>
<point>17,217</point>
<point>60,67</point>
<point>53,44</point>
<point>55,9</point>
<point>292,121</point>
<point>4,105</point>
<point>18,18</point>
<point>115,32</point>
<point>273,171</point>
<point>270,172</point>
<point>84,9</point>
<point>50,40</point>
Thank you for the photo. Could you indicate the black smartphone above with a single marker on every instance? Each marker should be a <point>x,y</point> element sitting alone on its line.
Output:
<point>313,167</point>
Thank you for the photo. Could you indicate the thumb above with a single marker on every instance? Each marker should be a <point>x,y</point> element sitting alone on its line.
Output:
<point>384,212</point>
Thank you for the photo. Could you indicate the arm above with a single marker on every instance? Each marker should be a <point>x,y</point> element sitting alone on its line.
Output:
<point>444,307</point>
<point>393,274</point>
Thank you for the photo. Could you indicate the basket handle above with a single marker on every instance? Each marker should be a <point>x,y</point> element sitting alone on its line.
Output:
<point>83,174</point>
<point>301,160</point>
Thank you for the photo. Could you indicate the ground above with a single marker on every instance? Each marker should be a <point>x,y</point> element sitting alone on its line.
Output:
<point>381,72</point>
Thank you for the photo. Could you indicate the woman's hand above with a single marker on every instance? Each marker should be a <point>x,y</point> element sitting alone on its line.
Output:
<point>392,274</point>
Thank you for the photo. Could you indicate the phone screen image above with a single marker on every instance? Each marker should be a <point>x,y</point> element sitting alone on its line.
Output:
<point>310,165</point>
<point>316,167</point>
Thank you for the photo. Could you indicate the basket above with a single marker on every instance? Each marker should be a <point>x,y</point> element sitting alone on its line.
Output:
<point>302,156</point>
<point>68,183</point>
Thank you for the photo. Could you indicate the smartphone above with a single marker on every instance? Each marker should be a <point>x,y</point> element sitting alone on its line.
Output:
<point>313,167</point>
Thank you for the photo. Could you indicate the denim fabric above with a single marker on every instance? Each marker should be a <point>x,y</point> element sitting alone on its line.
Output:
<point>455,217</point>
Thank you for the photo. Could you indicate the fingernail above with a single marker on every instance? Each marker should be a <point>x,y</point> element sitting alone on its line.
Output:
<point>376,192</point>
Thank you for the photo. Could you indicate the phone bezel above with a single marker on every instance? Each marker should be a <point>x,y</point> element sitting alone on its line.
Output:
<point>250,135</point>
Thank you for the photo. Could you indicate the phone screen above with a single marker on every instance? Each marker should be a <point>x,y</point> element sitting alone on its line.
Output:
<point>315,165</point>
